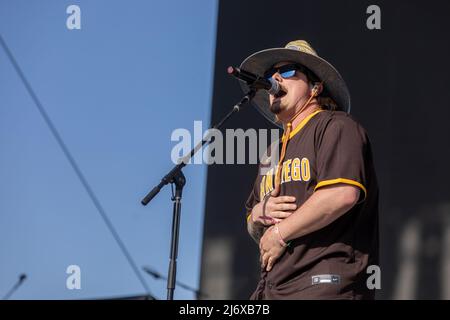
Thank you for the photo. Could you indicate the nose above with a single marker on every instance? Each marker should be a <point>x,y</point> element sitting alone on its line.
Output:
<point>277,77</point>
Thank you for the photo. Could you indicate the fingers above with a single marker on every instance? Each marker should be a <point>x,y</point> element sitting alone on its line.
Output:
<point>270,262</point>
<point>282,199</point>
<point>267,261</point>
<point>261,253</point>
<point>277,215</point>
<point>275,208</point>
<point>284,207</point>
<point>264,258</point>
<point>274,204</point>
<point>275,192</point>
<point>261,249</point>
<point>266,221</point>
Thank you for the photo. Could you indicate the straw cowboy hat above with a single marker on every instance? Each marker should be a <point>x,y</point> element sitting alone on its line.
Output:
<point>298,51</point>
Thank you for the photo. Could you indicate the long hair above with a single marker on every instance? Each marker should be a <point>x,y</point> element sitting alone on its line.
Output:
<point>324,99</point>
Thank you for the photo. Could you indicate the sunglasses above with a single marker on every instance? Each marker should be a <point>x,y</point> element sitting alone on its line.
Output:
<point>286,71</point>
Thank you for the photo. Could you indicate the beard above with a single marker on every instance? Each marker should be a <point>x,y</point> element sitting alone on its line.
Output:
<point>275,107</point>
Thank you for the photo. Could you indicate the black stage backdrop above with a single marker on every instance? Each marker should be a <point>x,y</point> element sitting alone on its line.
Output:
<point>398,78</point>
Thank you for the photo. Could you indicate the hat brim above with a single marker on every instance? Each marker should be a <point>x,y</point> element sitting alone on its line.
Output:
<point>261,61</point>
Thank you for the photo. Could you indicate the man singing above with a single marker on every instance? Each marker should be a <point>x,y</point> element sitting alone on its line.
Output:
<point>315,214</point>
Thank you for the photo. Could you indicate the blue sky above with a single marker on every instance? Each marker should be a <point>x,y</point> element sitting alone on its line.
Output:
<point>115,90</point>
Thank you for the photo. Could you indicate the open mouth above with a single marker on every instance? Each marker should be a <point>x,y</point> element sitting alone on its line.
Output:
<point>280,94</point>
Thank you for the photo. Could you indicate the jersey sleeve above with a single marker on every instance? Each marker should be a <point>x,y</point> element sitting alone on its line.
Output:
<point>341,155</point>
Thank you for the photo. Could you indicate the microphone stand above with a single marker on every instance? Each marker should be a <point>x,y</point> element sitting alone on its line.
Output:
<point>177,178</point>
<point>199,294</point>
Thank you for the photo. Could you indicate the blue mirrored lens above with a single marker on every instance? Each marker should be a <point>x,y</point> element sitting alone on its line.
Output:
<point>288,74</point>
<point>285,74</point>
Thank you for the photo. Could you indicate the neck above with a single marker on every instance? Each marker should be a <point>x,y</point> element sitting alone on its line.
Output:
<point>312,107</point>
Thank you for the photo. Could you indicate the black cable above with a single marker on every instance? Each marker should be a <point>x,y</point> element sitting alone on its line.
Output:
<point>74,165</point>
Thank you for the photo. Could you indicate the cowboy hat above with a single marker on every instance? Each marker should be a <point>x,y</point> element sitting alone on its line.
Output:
<point>298,51</point>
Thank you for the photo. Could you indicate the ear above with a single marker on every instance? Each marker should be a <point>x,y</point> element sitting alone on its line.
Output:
<point>317,89</point>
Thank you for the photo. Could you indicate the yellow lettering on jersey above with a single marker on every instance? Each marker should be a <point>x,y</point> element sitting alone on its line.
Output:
<point>287,170</point>
<point>306,170</point>
<point>292,170</point>
<point>269,181</point>
<point>296,169</point>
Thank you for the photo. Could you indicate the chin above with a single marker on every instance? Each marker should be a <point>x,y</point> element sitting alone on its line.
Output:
<point>277,108</point>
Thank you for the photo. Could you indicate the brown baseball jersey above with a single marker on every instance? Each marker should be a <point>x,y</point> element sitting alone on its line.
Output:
<point>326,148</point>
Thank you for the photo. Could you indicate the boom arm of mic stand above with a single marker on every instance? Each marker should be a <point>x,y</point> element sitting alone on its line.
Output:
<point>165,180</point>
<point>168,178</point>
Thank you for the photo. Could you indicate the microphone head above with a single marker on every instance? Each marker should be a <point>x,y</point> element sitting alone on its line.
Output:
<point>275,88</point>
<point>231,70</point>
<point>22,277</point>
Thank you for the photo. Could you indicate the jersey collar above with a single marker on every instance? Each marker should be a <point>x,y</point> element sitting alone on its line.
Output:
<point>301,125</point>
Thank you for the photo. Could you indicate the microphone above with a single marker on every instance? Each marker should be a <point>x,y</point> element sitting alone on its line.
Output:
<point>254,81</point>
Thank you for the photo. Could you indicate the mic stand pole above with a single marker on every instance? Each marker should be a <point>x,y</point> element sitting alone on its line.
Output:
<point>199,294</point>
<point>177,178</point>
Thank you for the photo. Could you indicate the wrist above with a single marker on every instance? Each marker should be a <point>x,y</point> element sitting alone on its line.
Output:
<point>255,213</point>
<point>257,216</point>
<point>280,236</point>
